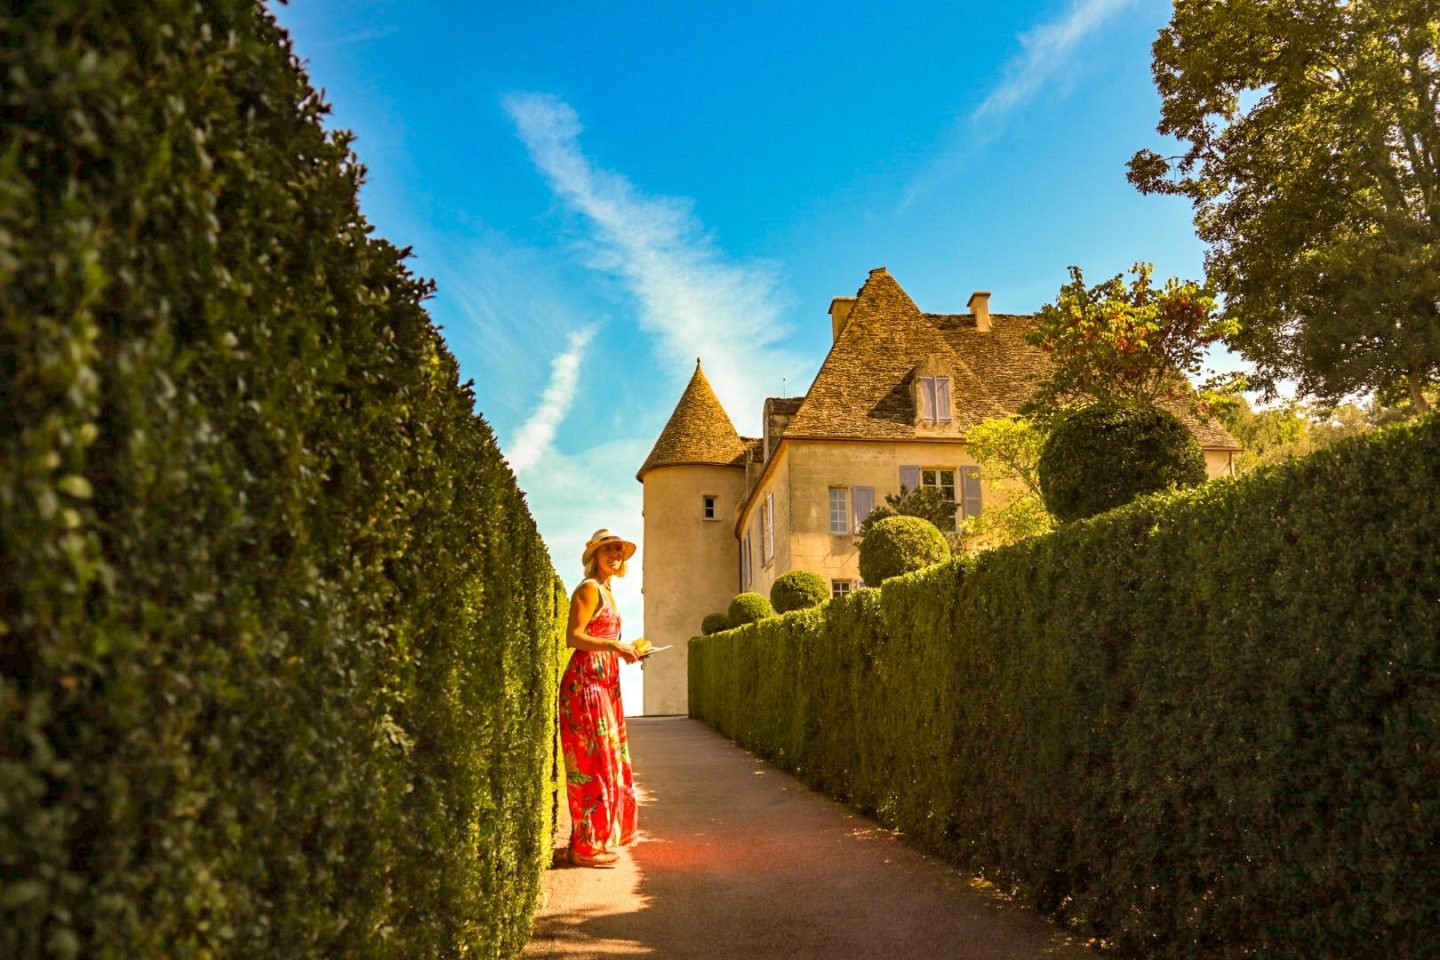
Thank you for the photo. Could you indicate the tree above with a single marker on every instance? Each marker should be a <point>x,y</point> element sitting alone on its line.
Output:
<point>1292,429</point>
<point>1101,456</point>
<point>1116,342</point>
<point>1312,159</point>
<point>927,503</point>
<point>898,545</point>
<point>1008,451</point>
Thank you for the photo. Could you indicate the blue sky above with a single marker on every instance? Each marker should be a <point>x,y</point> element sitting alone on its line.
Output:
<point>604,191</point>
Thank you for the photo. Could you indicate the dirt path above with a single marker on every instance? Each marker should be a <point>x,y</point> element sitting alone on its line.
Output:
<point>739,860</point>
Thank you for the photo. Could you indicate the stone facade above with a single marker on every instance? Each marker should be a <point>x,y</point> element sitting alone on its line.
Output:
<point>890,404</point>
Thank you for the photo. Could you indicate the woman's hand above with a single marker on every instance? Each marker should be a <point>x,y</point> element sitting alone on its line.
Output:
<point>627,651</point>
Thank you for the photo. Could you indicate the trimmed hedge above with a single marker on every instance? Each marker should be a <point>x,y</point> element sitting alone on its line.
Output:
<point>1104,455</point>
<point>797,590</point>
<point>1201,725</point>
<point>900,544</point>
<point>714,623</point>
<point>748,608</point>
<point>278,637</point>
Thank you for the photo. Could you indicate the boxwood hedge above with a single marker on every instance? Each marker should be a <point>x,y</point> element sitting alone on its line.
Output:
<point>278,636</point>
<point>1201,725</point>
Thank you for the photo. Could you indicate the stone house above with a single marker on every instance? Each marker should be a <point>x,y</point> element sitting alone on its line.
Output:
<point>889,406</point>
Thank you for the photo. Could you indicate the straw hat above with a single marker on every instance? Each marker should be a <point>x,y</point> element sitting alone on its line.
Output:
<point>601,537</point>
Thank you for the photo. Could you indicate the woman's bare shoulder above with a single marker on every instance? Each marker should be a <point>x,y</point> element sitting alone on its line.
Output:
<point>588,592</point>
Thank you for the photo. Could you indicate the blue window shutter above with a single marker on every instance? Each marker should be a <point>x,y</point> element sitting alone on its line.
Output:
<point>970,490</point>
<point>942,399</point>
<point>863,500</point>
<point>910,478</point>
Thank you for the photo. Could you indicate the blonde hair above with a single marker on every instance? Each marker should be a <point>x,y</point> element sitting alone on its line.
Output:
<point>592,567</point>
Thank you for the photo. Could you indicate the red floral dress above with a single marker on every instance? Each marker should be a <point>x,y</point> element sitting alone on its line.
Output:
<point>600,784</point>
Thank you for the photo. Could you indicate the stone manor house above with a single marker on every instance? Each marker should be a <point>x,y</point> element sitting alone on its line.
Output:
<point>889,407</point>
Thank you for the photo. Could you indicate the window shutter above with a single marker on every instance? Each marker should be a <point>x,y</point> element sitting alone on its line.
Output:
<point>863,499</point>
<point>942,399</point>
<point>910,478</point>
<point>745,562</point>
<point>769,527</point>
<point>970,490</point>
<point>925,397</point>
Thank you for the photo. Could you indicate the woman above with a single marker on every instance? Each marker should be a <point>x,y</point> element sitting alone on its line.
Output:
<point>600,786</point>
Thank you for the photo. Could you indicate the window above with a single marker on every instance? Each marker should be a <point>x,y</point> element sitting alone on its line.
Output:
<point>932,399</point>
<point>942,480</point>
<point>709,508</point>
<point>864,499</point>
<point>767,518</point>
<point>839,510</point>
<point>838,588</point>
<point>939,479</point>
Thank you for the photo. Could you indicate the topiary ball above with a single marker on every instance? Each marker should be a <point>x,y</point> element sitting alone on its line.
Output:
<point>797,590</point>
<point>899,545</point>
<point>749,607</point>
<point>714,623</point>
<point>1107,454</point>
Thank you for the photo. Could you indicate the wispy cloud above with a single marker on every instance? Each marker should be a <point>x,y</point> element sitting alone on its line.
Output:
<point>533,439</point>
<point>1046,51</point>
<point>692,298</point>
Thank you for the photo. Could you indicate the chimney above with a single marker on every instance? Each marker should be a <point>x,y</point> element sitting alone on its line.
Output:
<point>980,307</point>
<point>840,309</point>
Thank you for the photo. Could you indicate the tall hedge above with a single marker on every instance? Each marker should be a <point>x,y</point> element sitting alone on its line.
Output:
<point>278,636</point>
<point>1199,726</point>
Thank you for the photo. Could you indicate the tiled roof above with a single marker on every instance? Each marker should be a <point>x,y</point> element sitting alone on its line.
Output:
<point>698,432</point>
<point>863,389</point>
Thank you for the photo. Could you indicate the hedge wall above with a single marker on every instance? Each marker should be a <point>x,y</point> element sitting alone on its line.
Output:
<point>1203,725</point>
<point>278,637</point>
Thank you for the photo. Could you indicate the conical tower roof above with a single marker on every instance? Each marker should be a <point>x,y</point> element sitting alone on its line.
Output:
<point>698,432</point>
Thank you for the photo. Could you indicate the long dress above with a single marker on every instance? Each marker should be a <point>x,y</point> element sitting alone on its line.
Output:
<point>600,784</point>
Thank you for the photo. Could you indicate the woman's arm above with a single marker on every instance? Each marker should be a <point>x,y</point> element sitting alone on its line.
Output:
<point>582,609</point>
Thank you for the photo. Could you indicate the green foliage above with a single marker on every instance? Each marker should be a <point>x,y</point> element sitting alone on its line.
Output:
<point>280,640</point>
<point>927,503</point>
<point>1198,726</point>
<point>748,608</point>
<point>714,623</point>
<point>1008,452</point>
<point>1104,455</point>
<point>798,589</point>
<point>1292,429</point>
<point>896,545</point>
<point>1310,134</point>
<point>1124,343</point>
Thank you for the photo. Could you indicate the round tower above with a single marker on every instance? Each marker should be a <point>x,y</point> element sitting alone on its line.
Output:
<point>694,479</point>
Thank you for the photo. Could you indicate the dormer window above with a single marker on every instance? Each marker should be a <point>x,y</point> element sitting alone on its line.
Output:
<point>932,399</point>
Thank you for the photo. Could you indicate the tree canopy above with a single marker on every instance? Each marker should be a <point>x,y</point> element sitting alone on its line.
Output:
<point>1118,342</point>
<point>1312,158</point>
<point>1008,451</point>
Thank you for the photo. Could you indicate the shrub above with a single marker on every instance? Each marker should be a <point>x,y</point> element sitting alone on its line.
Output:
<point>749,607</point>
<point>897,545</point>
<point>1112,719</point>
<point>278,635</point>
<point>798,589</point>
<point>714,623</point>
<point>1104,455</point>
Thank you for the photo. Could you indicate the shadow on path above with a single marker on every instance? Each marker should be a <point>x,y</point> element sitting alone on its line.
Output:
<point>737,859</point>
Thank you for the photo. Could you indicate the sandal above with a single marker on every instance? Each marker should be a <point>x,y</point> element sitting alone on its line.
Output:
<point>599,860</point>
